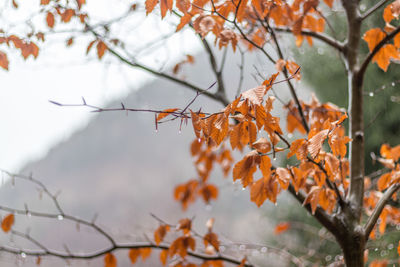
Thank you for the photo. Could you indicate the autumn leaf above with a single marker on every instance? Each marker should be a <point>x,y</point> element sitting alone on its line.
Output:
<point>385,53</point>
<point>181,245</point>
<point>150,5</point>
<point>298,148</point>
<point>245,168</point>
<point>255,95</point>
<point>67,15</point>
<point>209,192</point>
<point>212,239</point>
<point>101,49</point>
<point>44,2</point>
<point>384,181</point>
<point>50,19</point>
<point>262,145</point>
<point>145,253</point>
<point>110,260</point>
<point>133,255</point>
<point>165,5</point>
<point>281,228</point>
<point>258,193</point>
<point>313,198</point>
<point>160,233</point>
<point>185,225</point>
<point>3,60</point>
<point>80,3</point>
<point>185,19</point>
<point>164,256</point>
<point>315,143</point>
<point>7,222</point>
<point>165,113</point>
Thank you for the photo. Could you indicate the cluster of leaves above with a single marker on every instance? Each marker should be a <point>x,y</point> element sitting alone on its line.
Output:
<point>373,36</point>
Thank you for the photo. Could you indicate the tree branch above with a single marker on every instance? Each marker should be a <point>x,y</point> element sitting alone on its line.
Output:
<point>369,225</point>
<point>100,253</point>
<point>320,36</point>
<point>373,9</point>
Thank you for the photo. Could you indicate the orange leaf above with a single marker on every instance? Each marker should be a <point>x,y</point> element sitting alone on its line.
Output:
<point>281,228</point>
<point>67,15</point>
<point>101,49</point>
<point>50,19</point>
<point>165,113</point>
<point>185,225</point>
<point>298,147</point>
<point>44,2</point>
<point>183,5</point>
<point>3,60</point>
<point>209,192</point>
<point>150,4</point>
<point>133,255</point>
<point>373,37</point>
<point>212,239</point>
<point>313,198</point>
<point>255,95</point>
<point>160,233</point>
<point>245,168</point>
<point>384,55</point>
<point>165,5</point>
<point>265,166</point>
<point>164,256</point>
<point>258,193</point>
<point>7,222</point>
<point>262,145</point>
<point>398,249</point>
<point>145,253</point>
<point>315,143</point>
<point>110,260</point>
<point>384,181</point>
<point>329,3</point>
<point>80,3</point>
<point>185,19</point>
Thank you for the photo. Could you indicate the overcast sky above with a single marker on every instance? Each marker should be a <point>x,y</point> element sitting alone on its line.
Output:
<point>30,124</point>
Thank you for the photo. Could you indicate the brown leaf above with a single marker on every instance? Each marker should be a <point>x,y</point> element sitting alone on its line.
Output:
<point>281,228</point>
<point>7,222</point>
<point>165,5</point>
<point>315,143</point>
<point>44,2</point>
<point>110,260</point>
<point>185,225</point>
<point>145,253</point>
<point>165,113</point>
<point>50,19</point>
<point>164,256</point>
<point>133,255</point>
<point>101,49</point>
<point>160,233</point>
<point>3,60</point>
<point>245,168</point>
<point>262,145</point>
<point>255,95</point>
<point>212,239</point>
<point>150,4</point>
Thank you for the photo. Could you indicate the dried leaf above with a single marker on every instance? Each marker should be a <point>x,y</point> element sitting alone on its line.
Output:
<point>165,113</point>
<point>164,256</point>
<point>3,60</point>
<point>133,255</point>
<point>160,233</point>
<point>281,228</point>
<point>110,260</point>
<point>101,49</point>
<point>7,222</point>
<point>50,19</point>
<point>150,5</point>
<point>315,143</point>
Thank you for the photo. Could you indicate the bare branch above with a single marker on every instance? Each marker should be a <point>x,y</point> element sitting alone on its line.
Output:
<point>369,225</point>
<point>320,36</point>
<point>373,9</point>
